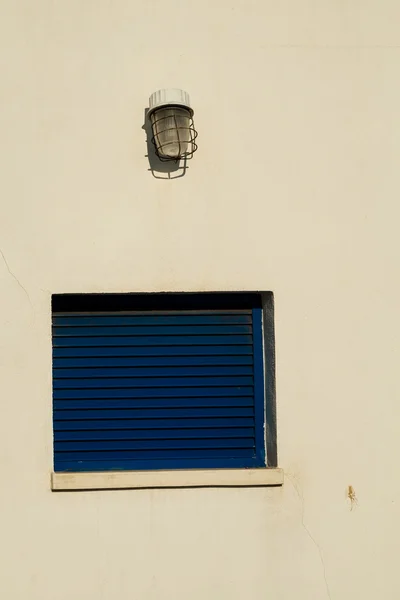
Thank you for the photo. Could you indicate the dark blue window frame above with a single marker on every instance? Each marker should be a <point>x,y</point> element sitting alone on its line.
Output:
<point>69,444</point>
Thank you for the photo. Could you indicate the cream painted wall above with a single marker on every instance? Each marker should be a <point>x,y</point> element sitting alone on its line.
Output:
<point>295,189</point>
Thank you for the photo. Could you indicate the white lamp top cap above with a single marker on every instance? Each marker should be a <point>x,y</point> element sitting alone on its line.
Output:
<point>169,97</point>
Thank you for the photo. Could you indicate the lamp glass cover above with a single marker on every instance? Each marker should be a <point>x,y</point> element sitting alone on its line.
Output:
<point>171,130</point>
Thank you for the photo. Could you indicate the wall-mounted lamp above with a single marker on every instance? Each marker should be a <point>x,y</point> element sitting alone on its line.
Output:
<point>171,118</point>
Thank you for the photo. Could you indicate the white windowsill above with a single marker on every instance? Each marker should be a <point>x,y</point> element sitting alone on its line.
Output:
<point>166,479</point>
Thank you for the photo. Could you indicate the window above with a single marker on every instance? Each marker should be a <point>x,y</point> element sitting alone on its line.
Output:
<point>163,381</point>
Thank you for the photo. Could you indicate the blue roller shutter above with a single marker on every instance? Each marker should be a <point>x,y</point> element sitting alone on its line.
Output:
<point>158,390</point>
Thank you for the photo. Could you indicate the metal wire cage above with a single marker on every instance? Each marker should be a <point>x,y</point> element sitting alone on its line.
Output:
<point>173,132</point>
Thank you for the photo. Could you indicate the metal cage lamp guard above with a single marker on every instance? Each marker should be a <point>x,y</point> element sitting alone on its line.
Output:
<point>171,118</point>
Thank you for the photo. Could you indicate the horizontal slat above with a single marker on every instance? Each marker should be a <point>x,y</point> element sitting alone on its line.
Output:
<point>198,423</point>
<point>152,319</point>
<point>150,413</point>
<point>149,434</point>
<point>163,454</point>
<point>151,312</point>
<point>103,445</point>
<point>162,351</point>
<point>162,340</point>
<point>146,382</point>
<point>127,403</point>
<point>157,464</point>
<point>151,330</point>
<point>152,392</point>
<point>150,361</point>
<point>109,372</point>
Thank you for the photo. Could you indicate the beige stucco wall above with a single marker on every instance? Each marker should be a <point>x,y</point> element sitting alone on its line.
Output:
<point>295,189</point>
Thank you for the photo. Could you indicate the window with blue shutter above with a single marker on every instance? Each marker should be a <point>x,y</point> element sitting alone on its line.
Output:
<point>158,381</point>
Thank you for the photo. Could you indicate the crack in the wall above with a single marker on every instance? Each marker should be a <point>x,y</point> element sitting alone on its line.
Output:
<point>299,493</point>
<point>14,277</point>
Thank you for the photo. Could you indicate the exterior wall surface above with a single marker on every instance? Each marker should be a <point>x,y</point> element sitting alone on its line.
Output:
<point>295,189</point>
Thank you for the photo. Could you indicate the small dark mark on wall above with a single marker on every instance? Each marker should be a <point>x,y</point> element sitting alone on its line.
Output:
<point>351,495</point>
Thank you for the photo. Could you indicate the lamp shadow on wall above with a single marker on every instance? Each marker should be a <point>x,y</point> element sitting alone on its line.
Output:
<point>158,168</point>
